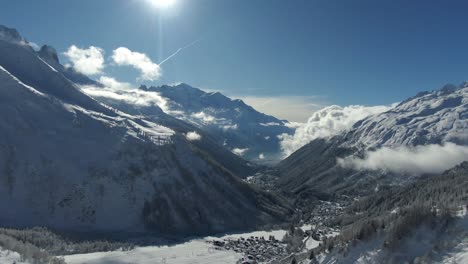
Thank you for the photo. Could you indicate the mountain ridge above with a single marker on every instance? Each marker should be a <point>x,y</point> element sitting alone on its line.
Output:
<point>430,118</point>
<point>72,163</point>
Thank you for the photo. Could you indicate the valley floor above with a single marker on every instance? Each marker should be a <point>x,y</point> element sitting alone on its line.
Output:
<point>199,250</point>
<point>196,251</point>
<point>192,252</point>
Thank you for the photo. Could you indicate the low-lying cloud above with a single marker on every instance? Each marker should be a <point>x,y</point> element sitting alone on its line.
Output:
<point>114,84</point>
<point>411,160</point>
<point>88,61</point>
<point>149,70</point>
<point>229,127</point>
<point>327,122</point>
<point>240,151</point>
<point>206,118</point>
<point>121,92</point>
<point>193,136</point>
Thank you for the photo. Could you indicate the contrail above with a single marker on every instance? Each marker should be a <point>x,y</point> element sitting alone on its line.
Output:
<point>179,50</point>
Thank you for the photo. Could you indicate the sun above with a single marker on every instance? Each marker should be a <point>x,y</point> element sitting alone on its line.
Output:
<point>162,3</point>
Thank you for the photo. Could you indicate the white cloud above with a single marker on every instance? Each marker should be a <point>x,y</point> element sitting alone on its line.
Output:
<point>135,97</point>
<point>149,70</point>
<point>206,118</point>
<point>416,160</point>
<point>229,127</point>
<point>261,156</point>
<point>88,61</point>
<point>326,122</point>
<point>292,108</point>
<point>34,45</point>
<point>113,83</point>
<point>193,136</point>
<point>270,124</point>
<point>239,151</point>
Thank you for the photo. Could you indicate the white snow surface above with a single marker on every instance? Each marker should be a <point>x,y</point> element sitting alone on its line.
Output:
<point>10,257</point>
<point>192,252</point>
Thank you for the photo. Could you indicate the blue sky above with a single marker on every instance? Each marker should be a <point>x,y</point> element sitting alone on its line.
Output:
<point>311,52</point>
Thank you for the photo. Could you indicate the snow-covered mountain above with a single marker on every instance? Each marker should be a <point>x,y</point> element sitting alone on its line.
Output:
<point>70,162</point>
<point>425,134</point>
<point>234,124</point>
<point>428,118</point>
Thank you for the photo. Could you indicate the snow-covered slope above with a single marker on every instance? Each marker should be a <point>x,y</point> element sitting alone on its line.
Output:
<point>428,118</point>
<point>232,123</point>
<point>147,104</point>
<point>426,244</point>
<point>427,131</point>
<point>425,222</point>
<point>70,162</point>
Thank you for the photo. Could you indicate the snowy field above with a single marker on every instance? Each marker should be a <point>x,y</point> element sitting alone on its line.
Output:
<point>192,252</point>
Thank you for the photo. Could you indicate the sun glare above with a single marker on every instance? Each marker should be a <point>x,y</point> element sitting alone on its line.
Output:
<point>162,3</point>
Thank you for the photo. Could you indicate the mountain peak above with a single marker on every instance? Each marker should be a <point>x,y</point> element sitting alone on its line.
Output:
<point>10,34</point>
<point>448,88</point>
<point>49,53</point>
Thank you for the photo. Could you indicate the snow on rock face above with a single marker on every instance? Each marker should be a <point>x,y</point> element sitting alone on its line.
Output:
<point>430,118</point>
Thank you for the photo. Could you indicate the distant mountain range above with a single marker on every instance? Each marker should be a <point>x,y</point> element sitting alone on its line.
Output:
<point>231,123</point>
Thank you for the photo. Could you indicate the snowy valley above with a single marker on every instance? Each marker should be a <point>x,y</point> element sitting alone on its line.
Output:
<point>97,173</point>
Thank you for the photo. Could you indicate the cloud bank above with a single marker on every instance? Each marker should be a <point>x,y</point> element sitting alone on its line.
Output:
<point>149,70</point>
<point>206,118</point>
<point>88,61</point>
<point>193,136</point>
<point>118,91</point>
<point>113,84</point>
<point>416,160</point>
<point>327,122</point>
